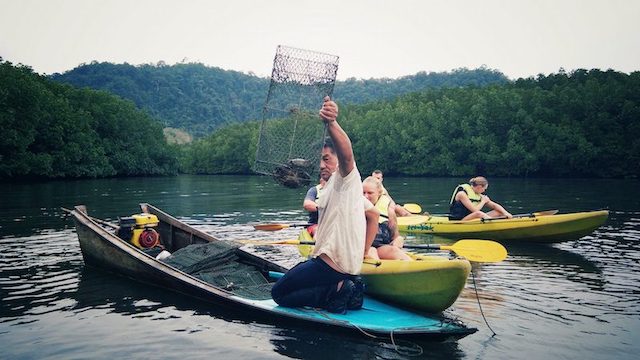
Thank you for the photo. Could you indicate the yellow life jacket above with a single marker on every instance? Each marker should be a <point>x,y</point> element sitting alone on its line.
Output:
<point>473,196</point>
<point>383,206</point>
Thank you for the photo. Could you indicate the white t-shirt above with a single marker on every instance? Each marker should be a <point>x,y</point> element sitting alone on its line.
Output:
<point>342,225</point>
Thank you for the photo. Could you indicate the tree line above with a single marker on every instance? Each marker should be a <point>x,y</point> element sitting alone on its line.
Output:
<point>53,130</point>
<point>200,99</point>
<point>578,124</point>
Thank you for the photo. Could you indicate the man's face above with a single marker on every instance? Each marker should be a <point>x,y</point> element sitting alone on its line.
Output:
<point>328,163</point>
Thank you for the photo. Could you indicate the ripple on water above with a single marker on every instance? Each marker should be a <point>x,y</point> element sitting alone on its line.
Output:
<point>36,274</point>
<point>578,298</point>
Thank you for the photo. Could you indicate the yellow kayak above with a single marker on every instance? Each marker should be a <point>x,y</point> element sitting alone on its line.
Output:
<point>430,283</point>
<point>541,228</point>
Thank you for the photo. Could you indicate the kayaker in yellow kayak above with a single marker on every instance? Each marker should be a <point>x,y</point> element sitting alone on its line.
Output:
<point>377,173</point>
<point>468,200</point>
<point>388,242</point>
<point>347,225</point>
<point>400,211</point>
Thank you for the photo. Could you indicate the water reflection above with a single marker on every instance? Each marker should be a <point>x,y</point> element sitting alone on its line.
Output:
<point>296,344</point>
<point>37,273</point>
<point>102,290</point>
<point>576,299</point>
<point>549,258</point>
<point>546,257</point>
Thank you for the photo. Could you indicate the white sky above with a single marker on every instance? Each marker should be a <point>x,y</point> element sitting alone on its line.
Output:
<point>374,38</point>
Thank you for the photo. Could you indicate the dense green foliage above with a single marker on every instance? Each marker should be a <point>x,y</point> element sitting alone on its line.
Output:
<point>230,150</point>
<point>199,99</point>
<point>583,124</point>
<point>358,91</point>
<point>51,130</point>
<point>191,97</point>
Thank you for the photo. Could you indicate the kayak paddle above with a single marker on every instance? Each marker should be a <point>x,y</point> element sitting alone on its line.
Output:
<point>541,213</point>
<point>471,249</point>
<point>406,220</point>
<point>276,227</point>
<point>534,214</point>
<point>413,208</point>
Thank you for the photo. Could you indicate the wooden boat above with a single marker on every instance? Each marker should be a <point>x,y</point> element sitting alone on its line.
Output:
<point>529,228</point>
<point>430,283</point>
<point>102,248</point>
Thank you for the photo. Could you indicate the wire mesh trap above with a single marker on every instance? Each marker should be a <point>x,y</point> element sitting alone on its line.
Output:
<point>291,133</point>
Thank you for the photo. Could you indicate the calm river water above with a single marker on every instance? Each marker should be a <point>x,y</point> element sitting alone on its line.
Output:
<point>572,300</point>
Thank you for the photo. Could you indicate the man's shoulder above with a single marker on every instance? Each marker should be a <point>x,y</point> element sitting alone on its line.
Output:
<point>354,174</point>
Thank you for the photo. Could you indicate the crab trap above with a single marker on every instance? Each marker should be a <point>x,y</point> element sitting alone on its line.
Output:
<point>291,133</point>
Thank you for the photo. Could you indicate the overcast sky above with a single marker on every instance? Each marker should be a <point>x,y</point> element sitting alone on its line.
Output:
<point>373,38</point>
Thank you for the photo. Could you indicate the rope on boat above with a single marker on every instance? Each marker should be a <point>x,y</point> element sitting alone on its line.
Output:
<point>473,277</point>
<point>413,348</point>
<point>417,349</point>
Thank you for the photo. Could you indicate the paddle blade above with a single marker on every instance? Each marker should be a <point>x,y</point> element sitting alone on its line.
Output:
<point>270,227</point>
<point>412,220</point>
<point>478,250</point>
<point>413,208</point>
<point>547,212</point>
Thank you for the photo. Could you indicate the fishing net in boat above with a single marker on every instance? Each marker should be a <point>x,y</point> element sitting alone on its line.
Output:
<point>217,263</point>
<point>291,134</point>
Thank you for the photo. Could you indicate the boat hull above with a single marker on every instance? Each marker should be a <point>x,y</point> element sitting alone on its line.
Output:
<point>543,229</point>
<point>431,283</point>
<point>101,248</point>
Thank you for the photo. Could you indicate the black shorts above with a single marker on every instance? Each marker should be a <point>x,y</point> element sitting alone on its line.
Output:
<point>458,211</point>
<point>383,237</point>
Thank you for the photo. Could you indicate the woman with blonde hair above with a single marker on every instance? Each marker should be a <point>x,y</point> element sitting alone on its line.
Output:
<point>468,201</point>
<point>388,242</point>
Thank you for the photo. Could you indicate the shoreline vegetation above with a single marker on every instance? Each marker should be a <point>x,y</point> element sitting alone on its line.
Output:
<point>585,123</point>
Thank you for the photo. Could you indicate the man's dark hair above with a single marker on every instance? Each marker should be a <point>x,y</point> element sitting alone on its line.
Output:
<point>328,143</point>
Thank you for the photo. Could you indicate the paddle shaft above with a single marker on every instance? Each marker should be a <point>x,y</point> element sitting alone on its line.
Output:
<point>427,246</point>
<point>472,249</point>
<point>534,214</point>
<point>277,227</point>
<point>408,246</point>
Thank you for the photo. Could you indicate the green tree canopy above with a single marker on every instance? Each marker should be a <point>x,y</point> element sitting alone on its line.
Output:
<point>199,99</point>
<point>582,124</point>
<point>53,130</point>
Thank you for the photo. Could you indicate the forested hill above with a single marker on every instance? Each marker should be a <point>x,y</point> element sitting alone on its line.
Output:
<point>53,130</point>
<point>199,99</point>
<point>582,124</point>
<point>579,124</point>
<point>191,97</point>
